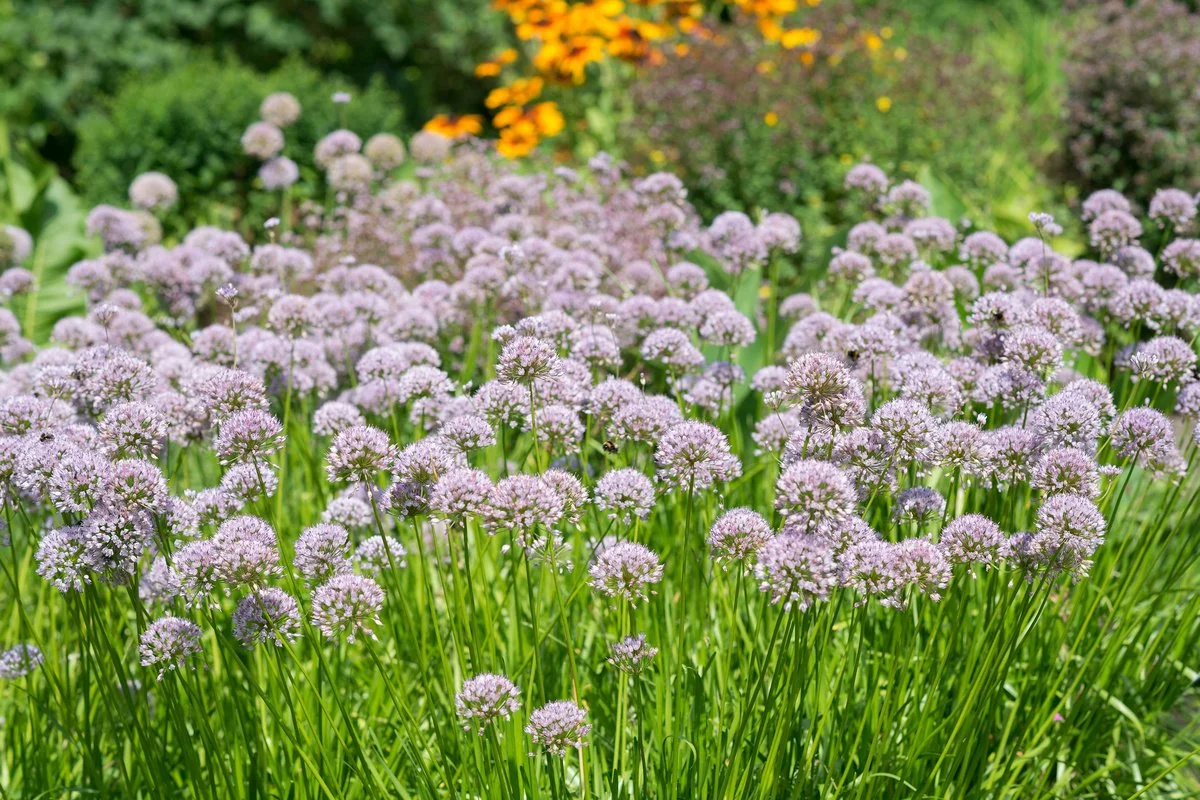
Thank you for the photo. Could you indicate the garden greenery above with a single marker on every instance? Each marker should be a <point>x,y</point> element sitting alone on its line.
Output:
<point>471,481</point>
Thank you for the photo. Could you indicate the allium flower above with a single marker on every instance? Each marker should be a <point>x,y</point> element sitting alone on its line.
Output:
<point>672,348</point>
<point>334,417</point>
<point>385,151</point>
<point>867,567</point>
<point>646,419</point>
<point>919,563</point>
<point>1165,360</point>
<point>244,553</point>
<point>358,453</point>
<point>1013,453</point>
<point>973,539</point>
<point>1065,421</point>
<point>334,145</point>
<point>1067,470</point>
<point>1173,207</point>
<point>868,179</point>
<point>626,570</point>
<point>19,661</point>
<point>137,484</point>
<point>262,140</point>
<point>908,199</point>
<point>982,249</point>
<point>485,699</point>
<point>572,491</point>
<point>695,455</point>
<point>248,436</point>
<point>349,173</point>
<point>168,643</point>
<point>733,239</point>
<point>727,328</point>
<point>460,493</point>
<point>322,551</point>
<point>1034,348</point>
<point>133,429</point>
<point>1104,200</point>
<point>61,559</point>
<point>1182,257</point>
<point>79,481</point>
<point>468,432</point>
<point>520,503</point>
<point>796,570</point>
<point>811,492</point>
<point>1142,433</point>
<point>738,534</point>
<point>558,726</point>
<point>919,504</point>
<point>906,427</point>
<point>850,266</point>
<point>428,147</point>
<point>227,391</point>
<point>1069,530</point>
<point>632,655</point>
<point>347,604</point>
<point>824,389</point>
<point>526,359</point>
<point>278,173</point>
<point>625,493</point>
<point>1113,229</point>
<point>378,553</point>
<point>779,232</point>
<point>267,615</point>
<point>153,191</point>
<point>281,109</point>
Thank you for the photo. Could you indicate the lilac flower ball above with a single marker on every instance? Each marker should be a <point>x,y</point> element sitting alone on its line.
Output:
<point>378,553</point>
<point>461,493</point>
<point>485,699</point>
<point>632,654</point>
<point>347,604</point>
<point>625,494</point>
<point>278,173</point>
<point>322,551</point>
<point>973,539</point>
<point>168,643</point>
<point>526,359</point>
<point>695,455</point>
<point>738,534</point>
<point>1173,207</point>
<point>20,660</point>
<point>520,503</point>
<point>267,615</point>
<point>262,140</point>
<point>626,570</point>
<point>796,570</point>
<point>248,436</point>
<point>811,492</point>
<point>558,726</point>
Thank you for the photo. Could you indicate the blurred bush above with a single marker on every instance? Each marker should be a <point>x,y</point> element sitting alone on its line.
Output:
<point>755,126</point>
<point>1133,105</point>
<point>187,122</point>
<point>58,57</point>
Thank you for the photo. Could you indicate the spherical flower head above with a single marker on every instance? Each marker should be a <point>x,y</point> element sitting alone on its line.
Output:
<point>79,481</point>
<point>1104,200</point>
<point>1182,257</point>
<point>19,661</point>
<point>358,453</point>
<point>61,561</point>
<point>1067,470</point>
<point>558,726</point>
<point>626,570</point>
<point>572,491</point>
<point>1069,530</point>
<point>385,151</point>
<point>262,140</point>
<point>226,391</point>
<point>973,539</point>
<point>525,359</point>
<point>153,191</point>
<point>645,419</point>
<point>733,239</point>
<point>1064,420</point>
<point>349,173</point>
<point>823,388</point>
<point>1164,360</point>
<point>133,429</point>
<point>919,504</point>
<point>982,249</point>
<point>811,492</point>
<point>244,553</point>
<point>520,503</point>
<point>625,494</point>
<point>278,173</point>
<point>632,654</point>
<point>428,147</point>
<point>468,432</point>
<point>334,145</point>
<point>424,461</point>
<point>796,570</point>
<point>738,534</point>
<point>460,493</point>
<point>334,417</point>
<point>727,327</point>
<point>266,615</point>
<point>168,643</point>
<point>695,455</point>
<point>868,179</point>
<point>906,427</point>
<point>1113,229</point>
<point>16,245</point>
<point>135,483</point>
<point>347,605</point>
<point>920,564</point>
<point>485,699</point>
<point>281,109</point>
<point>1138,431</point>
<point>908,199</point>
<point>322,551</point>
<point>1173,207</point>
<point>672,348</point>
<point>850,267</point>
<point>779,232</point>
<point>378,553</point>
<point>248,436</point>
<point>1034,348</point>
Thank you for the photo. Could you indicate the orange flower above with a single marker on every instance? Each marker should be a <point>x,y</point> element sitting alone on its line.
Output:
<point>454,126</point>
<point>519,92</point>
<point>800,37</point>
<point>568,61</point>
<point>547,119</point>
<point>488,69</point>
<point>518,140</point>
<point>507,116</point>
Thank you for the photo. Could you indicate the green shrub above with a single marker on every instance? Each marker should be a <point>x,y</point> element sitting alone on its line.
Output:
<point>1133,122</point>
<point>188,122</point>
